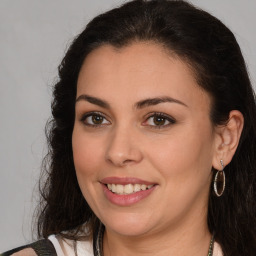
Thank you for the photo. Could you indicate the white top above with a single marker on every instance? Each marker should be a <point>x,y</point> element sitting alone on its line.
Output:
<point>65,247</point>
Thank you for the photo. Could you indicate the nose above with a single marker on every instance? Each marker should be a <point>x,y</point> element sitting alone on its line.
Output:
<point>123,148</point>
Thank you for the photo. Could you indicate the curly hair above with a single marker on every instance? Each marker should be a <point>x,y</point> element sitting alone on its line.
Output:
<point>212,52</point>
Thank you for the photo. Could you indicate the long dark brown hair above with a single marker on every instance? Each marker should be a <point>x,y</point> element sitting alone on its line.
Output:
<point>213,53</point>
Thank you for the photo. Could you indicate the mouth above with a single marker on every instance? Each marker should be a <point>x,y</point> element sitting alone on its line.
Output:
<point>128,189</point>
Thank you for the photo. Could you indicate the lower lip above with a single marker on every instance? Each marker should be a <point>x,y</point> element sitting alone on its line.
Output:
<point>126,200</point>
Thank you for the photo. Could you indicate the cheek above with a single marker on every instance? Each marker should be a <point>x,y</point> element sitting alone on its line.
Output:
<point>184,155</point>
<point>87,153</point>
<point>184,166</point>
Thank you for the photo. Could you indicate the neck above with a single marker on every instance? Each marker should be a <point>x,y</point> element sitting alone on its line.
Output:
<point>190,239</point>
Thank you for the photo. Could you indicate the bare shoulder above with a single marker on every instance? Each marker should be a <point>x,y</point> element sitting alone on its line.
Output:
<point>25,252</point>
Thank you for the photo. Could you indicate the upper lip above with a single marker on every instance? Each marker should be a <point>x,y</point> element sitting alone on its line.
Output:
<point>125,181</point>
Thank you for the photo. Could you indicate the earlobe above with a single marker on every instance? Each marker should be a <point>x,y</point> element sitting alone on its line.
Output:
<point>227,139</point>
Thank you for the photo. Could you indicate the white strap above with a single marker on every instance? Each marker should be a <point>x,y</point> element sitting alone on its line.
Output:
<point>64,247</point>
<point>56,245</point>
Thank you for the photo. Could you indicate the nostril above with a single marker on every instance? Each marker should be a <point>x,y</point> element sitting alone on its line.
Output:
<point>127,161</point>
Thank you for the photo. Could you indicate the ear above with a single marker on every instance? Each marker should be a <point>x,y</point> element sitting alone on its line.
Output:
<point>227,139</point>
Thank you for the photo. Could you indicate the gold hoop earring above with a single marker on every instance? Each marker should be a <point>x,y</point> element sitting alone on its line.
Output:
<point>219,181</point>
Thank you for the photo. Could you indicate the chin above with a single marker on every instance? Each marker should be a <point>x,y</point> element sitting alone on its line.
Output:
<point>128,224</point>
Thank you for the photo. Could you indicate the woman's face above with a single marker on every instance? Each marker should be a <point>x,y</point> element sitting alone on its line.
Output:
<point>143,143</point>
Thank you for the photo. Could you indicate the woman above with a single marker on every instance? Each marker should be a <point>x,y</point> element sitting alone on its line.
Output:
<point>152,141</point>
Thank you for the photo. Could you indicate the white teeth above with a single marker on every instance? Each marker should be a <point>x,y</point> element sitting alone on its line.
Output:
<point>119,189</point>
<point>136,187</point>
<point>143,187</point>
<point>127,189</point>
<point>113,188</point>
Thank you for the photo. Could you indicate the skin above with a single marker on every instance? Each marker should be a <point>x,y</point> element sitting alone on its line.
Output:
<point>178,156</point>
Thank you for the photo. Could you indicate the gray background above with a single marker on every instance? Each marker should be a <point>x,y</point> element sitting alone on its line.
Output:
<point>33,38</point>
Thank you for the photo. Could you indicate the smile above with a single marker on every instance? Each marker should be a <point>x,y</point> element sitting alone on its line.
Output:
<point>127,189</point>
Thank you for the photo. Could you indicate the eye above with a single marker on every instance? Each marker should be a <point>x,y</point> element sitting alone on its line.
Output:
<point>94,119</point>
<point>159,120</point>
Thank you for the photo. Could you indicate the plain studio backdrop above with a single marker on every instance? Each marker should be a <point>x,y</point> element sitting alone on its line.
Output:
<point>34,36</point>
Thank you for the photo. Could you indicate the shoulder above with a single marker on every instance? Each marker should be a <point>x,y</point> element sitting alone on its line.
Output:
<point>217,250</point>
<point>24,252</point>
<point>66,247</point>
<point>38,248</point>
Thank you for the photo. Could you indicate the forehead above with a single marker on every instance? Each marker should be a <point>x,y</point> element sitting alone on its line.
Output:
<point>141,68</point>
<point>138,56</point>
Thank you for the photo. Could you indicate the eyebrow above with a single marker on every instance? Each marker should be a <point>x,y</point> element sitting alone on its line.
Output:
<point>93,100</point>
<point>139,105</point>
<point>158,100</point>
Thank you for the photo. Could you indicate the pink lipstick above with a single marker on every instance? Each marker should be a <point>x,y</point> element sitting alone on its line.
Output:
<point>126,191</point>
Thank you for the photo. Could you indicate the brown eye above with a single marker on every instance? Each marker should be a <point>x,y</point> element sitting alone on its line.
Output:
<point>94,119</point>
<point>158,120</point>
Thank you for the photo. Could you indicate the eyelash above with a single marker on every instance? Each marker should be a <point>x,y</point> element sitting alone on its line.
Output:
<point>151,115</point>
<point>163,116</point>
<point>91,114</point>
